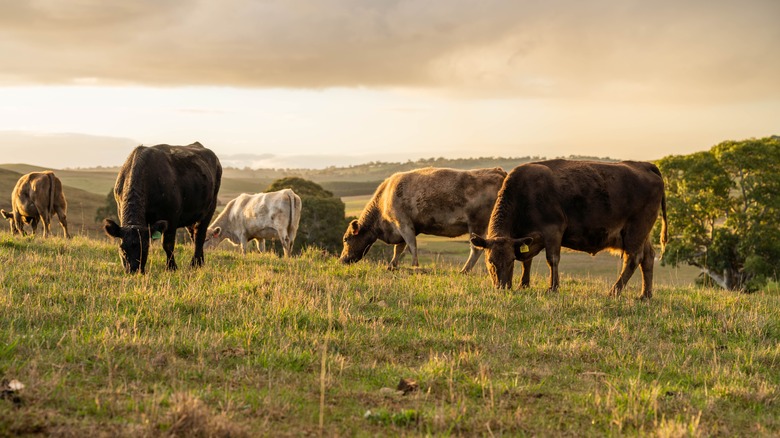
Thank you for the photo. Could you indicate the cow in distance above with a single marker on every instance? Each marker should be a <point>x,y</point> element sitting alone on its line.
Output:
<point>36,197</point>
<point>256,217</point>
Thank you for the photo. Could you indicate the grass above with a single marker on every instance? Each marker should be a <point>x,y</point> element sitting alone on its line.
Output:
<point>236,349</point>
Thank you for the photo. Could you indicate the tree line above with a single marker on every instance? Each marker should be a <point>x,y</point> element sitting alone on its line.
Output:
<point>724,212</point>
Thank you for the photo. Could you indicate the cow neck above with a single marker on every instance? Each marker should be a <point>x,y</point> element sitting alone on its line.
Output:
<point>370,217</point>
<point>503,219</point>
<point>134,192</point>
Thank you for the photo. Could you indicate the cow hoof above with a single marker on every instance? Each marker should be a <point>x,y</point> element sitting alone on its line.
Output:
<point>645,297</point>
<point>391,268</point>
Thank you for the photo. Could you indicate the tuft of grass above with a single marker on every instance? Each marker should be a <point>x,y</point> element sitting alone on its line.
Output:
<point>238,348</point>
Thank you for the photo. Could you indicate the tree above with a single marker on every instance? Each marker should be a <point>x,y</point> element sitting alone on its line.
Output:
<point>724,209</point>
<point>108,210</point>
<point>322,215</point>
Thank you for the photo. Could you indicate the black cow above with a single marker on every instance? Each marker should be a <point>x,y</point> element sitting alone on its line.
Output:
<point>158,190</point>
<point>582,205</point>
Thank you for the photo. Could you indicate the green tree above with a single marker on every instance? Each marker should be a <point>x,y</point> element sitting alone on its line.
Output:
<point>322,215</point>
<point>108,210</point>
<point>724,209</point>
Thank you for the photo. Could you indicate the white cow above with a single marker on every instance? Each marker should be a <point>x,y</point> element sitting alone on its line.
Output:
<point>273,215</point>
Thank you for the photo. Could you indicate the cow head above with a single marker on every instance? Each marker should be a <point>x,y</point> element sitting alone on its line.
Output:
<point>214,236</point>
<point>357,242</point>
<point>11,222</point>
<point>500,256</point>
<point>134,245</point>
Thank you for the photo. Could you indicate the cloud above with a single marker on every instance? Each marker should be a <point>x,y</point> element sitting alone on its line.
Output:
<point>633,49</point>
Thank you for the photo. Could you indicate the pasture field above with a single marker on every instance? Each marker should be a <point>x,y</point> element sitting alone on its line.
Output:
<point>257,345</point>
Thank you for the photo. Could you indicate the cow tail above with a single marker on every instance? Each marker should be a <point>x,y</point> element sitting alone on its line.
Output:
<point>664,225</point>
<point>51,196</point>
<point>290,226</point>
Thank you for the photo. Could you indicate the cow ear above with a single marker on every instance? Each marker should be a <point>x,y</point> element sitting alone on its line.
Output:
<point>111,228</point>
<point>6,214</point>
<point>479,242</point>
<point>354,228</point>
<point>521,246</point>
<point>159,227</point>
<point>216,231</point>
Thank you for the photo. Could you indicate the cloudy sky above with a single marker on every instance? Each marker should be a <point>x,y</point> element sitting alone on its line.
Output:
<point>330,82</point>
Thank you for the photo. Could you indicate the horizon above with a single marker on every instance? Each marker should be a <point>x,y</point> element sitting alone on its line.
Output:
<point>296,84</point>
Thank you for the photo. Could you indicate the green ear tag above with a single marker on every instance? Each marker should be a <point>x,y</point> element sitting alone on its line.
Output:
<point>524,248</point>
<point>156,235</point>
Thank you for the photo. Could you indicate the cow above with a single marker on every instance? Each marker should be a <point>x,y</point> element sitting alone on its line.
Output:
<point>36,197</point>
<point>159,189</point>
<point>260,216</point>
<point>582,205</point>
<point>436,201</point>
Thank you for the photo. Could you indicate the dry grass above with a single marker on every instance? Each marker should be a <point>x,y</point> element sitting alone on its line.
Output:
<point>235,349</point>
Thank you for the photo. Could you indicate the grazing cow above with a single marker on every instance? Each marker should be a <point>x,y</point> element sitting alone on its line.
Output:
<point>158,190</point>
<point>257,217</point>
<point>440,202</point>
<point>582,205</point>
<point>36,197</point>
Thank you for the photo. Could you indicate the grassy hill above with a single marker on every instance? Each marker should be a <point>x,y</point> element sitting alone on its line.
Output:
<point>257,345</point>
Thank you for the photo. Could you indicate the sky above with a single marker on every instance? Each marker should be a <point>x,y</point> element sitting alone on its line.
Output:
<point>315,83</point>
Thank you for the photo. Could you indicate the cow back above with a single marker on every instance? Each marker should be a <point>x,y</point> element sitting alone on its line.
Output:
<point>439,201</point>
<point>174,183</point>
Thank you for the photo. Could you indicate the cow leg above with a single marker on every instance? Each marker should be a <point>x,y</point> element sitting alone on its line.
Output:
<point>243,243</point>
<point>200,238</point>
<point>45,215</point>
<point>553,254</point>
<point>17,225</point>
<point>63,220</point>
<point>630,262</point>
<point>526,280</point>
<point>287,246</point>
<point>261,245</point>
<point>33,224</point>
<point>168,243</point>
<point>472,260</point>
<point>398,253</point>
<point>648,260</point>
<point>411,242</point>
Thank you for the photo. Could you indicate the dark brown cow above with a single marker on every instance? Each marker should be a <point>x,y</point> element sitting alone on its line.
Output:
<point>440,202</point>
<point>582,205</point>
<point>159,189</point>
<point>37,196</point>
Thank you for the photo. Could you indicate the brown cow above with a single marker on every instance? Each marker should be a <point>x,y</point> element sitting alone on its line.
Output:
<point>440,202</point>
<point>582,205</point>
<point>36,197</point>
